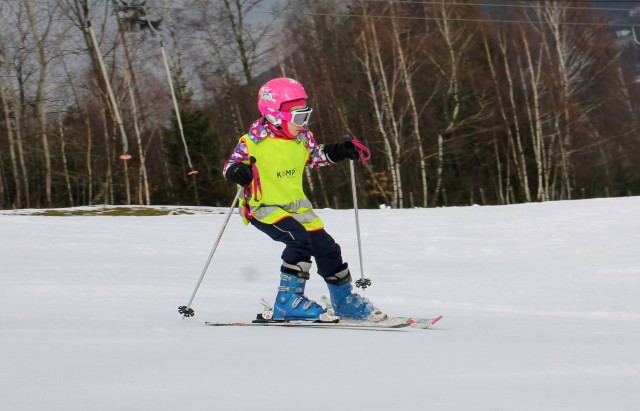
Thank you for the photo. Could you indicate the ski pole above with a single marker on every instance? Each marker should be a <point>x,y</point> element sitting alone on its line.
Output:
<point>186,310</point>
<point>364,155</point>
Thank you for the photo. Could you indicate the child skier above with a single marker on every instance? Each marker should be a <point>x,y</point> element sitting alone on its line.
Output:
<point>269,162</point>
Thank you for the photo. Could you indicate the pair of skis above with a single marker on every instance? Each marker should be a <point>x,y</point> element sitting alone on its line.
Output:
<point>389,323</point>
<point>393,323</point>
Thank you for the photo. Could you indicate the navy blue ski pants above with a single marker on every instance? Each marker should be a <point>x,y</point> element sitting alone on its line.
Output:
<point>301,245</point>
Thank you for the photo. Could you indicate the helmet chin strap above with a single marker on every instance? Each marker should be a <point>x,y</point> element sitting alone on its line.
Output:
<point>280,129</point>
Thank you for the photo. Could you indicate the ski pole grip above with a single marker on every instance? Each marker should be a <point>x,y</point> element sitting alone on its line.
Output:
<point>363,151</point>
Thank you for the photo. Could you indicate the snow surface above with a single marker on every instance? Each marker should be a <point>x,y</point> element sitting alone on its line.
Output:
<point>541,306</point>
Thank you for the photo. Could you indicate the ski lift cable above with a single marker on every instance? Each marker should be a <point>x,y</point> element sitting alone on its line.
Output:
<point>174,99</point>
<point>635,35</point>
<point>125,142</point>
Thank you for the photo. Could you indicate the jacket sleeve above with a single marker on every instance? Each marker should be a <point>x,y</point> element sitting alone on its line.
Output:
<point>317,156</point>
<point>240,154</point>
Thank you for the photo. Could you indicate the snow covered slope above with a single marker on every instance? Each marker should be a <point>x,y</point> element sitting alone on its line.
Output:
<point>541,306</point>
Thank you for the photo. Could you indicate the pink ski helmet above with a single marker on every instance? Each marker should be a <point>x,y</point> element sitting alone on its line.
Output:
<point>275,93</point>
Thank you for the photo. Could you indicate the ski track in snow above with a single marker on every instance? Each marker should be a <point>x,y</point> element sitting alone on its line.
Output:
<point>541,306</point>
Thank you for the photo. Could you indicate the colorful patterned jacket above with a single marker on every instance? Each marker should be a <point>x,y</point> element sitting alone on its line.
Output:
<point>277,191</point>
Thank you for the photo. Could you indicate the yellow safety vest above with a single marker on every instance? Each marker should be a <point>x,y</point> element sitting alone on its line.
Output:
<point>280,163</point>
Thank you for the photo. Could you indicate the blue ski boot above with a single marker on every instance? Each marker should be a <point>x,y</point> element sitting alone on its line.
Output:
<point>347,304</point>
<point>291,303</point>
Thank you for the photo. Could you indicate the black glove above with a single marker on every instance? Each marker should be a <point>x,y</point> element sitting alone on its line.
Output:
<point>340,151</point>
<point>239,173</point>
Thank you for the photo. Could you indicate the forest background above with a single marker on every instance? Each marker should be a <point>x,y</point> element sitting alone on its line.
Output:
<point>461,102</point>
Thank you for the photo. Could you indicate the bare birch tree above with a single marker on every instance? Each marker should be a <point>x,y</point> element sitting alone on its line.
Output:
<point>449,61</point>
<point>406,68</point>
<point>14,61</point>
<point>509,109</point>
<point>382,82</point>
<point>44,49</point>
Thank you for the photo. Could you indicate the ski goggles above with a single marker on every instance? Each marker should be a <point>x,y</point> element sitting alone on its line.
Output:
<point>299,117</point>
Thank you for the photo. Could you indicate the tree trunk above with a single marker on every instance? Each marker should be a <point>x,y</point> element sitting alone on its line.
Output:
<point>89,160</point>
<point>13,155</point>
<point>65,169</point>
<point>415,118</point>
<point>108,182</point>
<point>40,97</point>
<point>514,138</point>
<point>531,75</point>
<point>381,100</point>
<point>18,115</point>
<point>144,196</point>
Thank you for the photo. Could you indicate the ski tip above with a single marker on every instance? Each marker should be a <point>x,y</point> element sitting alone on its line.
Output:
<point>435,320</point>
